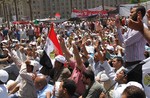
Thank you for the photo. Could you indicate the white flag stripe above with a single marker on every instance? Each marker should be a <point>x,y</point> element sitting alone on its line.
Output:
<point>49,47</point>
<point>146,78</point>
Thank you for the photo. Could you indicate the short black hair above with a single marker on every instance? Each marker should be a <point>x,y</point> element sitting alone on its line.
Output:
<point>89,74</point>
<point>134,92</point>
<point>70,86</point>
<point>141,9</point>
<point>119,58</point>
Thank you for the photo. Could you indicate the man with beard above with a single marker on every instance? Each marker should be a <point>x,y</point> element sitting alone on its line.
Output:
<point>94,88</point>
<point>138,25</point>
<point>134,44</point>
<point>67,89</point>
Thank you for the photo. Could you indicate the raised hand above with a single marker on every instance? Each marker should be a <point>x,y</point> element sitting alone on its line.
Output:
<point>62,43</point>
<point>148,17</point>
<point>136,25</point>
<point>102,95</point>
<point>117,22</point>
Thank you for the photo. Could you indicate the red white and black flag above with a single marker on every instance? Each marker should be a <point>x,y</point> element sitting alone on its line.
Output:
<point>52,46</point>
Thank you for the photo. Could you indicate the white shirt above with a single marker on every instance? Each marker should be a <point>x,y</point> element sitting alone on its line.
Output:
<point>134,44</point>
<point>3,91</point>
<point>23,34</point>
<point>45,31</point>
<point>96,66</point>
<point>20,55</point>
<point>118,89</point>
<point>90,49</point>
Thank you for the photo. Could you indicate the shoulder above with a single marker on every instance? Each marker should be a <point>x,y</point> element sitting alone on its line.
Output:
<point>95,90</point>
<point>49,87</point>
<point>2,89</point>
<point>145,25</point>
<point>97,87</point>
<point>65,70</point>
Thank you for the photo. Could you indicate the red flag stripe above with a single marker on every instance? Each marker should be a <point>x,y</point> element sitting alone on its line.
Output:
<point>52,36</point>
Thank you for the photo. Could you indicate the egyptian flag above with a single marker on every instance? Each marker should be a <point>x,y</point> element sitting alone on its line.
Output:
<point>146,77</point>
<point>52,47</point>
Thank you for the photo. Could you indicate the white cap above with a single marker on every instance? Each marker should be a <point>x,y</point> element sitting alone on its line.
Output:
<point>60,59</point>
<point>39,51</point>
<point>90,49</point>
<point>89,40</point>
<point>110,48</point>
<point>75,36</point>
<point>32,43</point>
<point>14,40</point>
<point>3,76</point>
<point>5,49</point>
<point>133,83</point>
<point>4,41</point>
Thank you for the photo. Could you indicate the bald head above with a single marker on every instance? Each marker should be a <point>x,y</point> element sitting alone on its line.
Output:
<point>40,82</point>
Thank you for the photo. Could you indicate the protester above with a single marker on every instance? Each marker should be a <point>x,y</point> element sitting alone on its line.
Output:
<point>67,89</point>
<point>133,92</point>
<point>134,44</point>
<point>30,33</point>
<point>77,66</point>
<point>3,79</point>
<point>117,63</point>
<point>44,90</point>
<point>26,87</point>
<point>93,87</point>
<point>90,45</point>
<point>138,25</point>
<point>60,72</point>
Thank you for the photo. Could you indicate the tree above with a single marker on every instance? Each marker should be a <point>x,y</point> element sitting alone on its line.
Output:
<point>30,7</point>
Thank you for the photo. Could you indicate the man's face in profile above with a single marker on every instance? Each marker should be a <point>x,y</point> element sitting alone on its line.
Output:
<point>133,14</point>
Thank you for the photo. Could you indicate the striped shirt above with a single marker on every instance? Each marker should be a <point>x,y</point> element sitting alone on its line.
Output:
<point>134,44</point>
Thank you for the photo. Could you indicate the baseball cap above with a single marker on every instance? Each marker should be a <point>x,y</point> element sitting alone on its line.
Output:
<point>3,76</point>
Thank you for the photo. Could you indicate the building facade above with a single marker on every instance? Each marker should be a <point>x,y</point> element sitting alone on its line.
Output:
<point>48,8</point>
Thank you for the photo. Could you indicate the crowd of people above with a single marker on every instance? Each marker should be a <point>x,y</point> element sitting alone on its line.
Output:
<point>101,59</point>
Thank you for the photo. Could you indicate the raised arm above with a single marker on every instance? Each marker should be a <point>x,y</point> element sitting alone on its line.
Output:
<point>100,54</point>
<point>119,32</point>
<point>138,25</point>
<point>4,59</point>
<point>14,57</point>
<point>77,57</point>
<point>66,52</point>
<point>85,53</point>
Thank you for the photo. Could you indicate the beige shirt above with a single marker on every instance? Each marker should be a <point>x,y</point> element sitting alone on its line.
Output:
<point>27,89</point>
